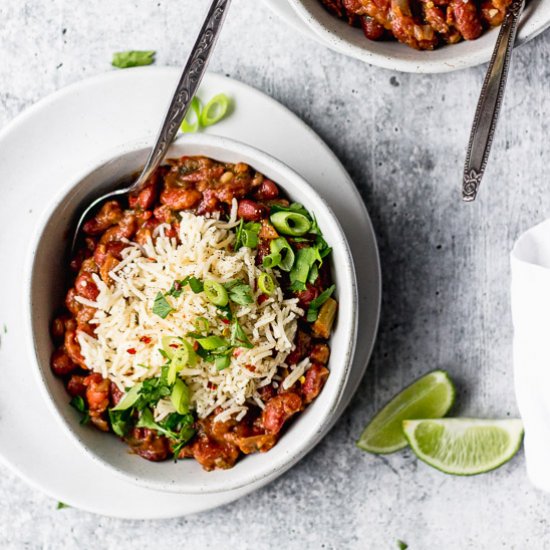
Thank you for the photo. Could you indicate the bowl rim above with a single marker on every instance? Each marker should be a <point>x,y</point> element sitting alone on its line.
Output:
<point>433,62</point>
<point>321,425</point>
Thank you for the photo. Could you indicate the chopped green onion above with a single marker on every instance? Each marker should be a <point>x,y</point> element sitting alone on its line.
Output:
<point>281,255</point>
<point>183,356</point>
<point>202,325</point>
<point>169,345</point>
<point>305,260</point>
<point>212,342</point>
<point>272,260</point>
<point>133,58</point>
<point>180,397</point>
<point>313,274</point>
<point>130,399</point>
<point>222,361</point>
<point>214,110</point>
<point>316,304</point>
<point>249,238</point>
<point>188,126</point>
<point>290,223</point>
<point>161,306</point>
<point>266,283</point>
<point>216,293</point>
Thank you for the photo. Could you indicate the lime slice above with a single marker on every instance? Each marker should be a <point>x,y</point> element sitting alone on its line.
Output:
<point>429,397</point>
<point>463,446</point>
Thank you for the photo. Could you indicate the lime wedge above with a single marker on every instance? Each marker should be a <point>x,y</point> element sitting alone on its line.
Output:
<point>429,397</point>
<point>463,446</point>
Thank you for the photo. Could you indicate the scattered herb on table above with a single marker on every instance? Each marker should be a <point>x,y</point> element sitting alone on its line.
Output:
<point>133,58</point>
<point>201,117</point>
<point>62,505</point>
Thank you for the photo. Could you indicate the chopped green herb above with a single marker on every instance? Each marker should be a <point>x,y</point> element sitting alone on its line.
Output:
<point>305,260</point>
<point>177,286</point>
<point>79,404</point>
<point>188,125</point>
<point>154,389</point>
<point>215,110</point>
<point>290,223</point>
<point>161,307</point>
<point>402,545</point>
<point>239,292</point>
<point>133,58</point>
<point>282,255</point>
<point>202,325</point>
<point>212,342</point>
<point>295,207</point>
<point>129,400</point>
<point>247,234</point>
<point>5,328</point>
<point>180,397</point>
<point>121,421</point>
<point>61,505</point>
<point>180,431</point>
<point>182,356</point>
<point>216,293</point>
<point>313,274</point>
<point>239,337</point>
<point>316,304</point>
<point>222,361</point>
<point>266,283</point>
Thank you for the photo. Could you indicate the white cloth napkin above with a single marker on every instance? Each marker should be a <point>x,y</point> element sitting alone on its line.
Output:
<point>531,316</point>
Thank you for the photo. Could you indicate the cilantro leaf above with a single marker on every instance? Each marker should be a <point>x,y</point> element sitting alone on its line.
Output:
<point>133,58</point>
<point>61,505</point>
<point>161,307</point>
<point>80,405</point>
<point>176,289</point>
<point>315,304</point>
<point>239,292</point>
<point>178,428</point>
<point>239,337</point>
<point>402,545</point>
<point>120,421</point>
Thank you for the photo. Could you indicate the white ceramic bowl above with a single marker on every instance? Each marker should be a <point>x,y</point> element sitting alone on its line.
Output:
<point>46,290</point>
<point>351,41</point>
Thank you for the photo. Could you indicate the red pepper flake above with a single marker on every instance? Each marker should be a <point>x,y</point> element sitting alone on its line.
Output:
<point>131,351</point>
<point>261,299</point>
<point>145,339</point>
<point>224,320</point>
<point>251,368</point>
<point>175,346</point>
<point>211,386</point>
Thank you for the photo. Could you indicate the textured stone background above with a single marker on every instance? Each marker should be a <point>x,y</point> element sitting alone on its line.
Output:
<point>445,265</point>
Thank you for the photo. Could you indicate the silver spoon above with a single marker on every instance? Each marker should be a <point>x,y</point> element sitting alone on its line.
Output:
<point>185,91</point>
<point>490,101</point>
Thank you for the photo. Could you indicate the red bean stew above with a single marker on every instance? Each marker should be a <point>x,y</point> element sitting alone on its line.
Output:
<point>421,24</point>
<point>204,187</point>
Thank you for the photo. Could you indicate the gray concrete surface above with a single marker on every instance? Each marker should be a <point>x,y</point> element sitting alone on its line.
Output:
<point>445,264</point>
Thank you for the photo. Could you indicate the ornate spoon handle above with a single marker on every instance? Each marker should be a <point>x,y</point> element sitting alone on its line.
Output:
<point>490,101</point>
<point>190,80</point>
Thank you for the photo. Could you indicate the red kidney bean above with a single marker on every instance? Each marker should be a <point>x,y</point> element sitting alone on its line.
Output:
<point>267,191</point>
<point>61,363</point>
<point>250,211</point>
